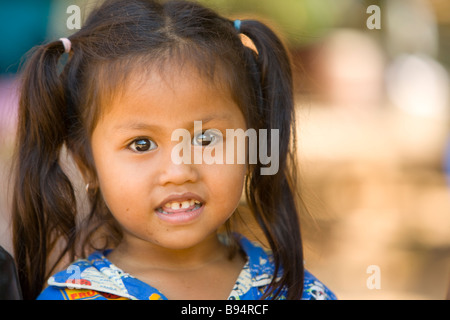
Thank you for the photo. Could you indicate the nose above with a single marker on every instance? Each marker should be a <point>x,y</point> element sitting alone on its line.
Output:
<point>174,172</point>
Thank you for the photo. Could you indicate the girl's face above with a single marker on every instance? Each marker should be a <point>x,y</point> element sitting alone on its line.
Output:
<point>155,200</point>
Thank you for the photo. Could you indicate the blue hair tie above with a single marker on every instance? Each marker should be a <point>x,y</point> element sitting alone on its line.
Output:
<point>237,25</point>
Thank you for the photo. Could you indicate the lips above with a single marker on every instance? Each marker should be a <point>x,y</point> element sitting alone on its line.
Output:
<point>180,208</point>
<point>180,202</point>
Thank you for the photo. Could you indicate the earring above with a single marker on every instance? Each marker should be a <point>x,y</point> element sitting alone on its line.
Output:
<point>87,187</point>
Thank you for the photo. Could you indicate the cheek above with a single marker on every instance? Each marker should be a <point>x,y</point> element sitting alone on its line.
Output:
<point>226,184</point>
<point>125,198</point>
<point>117,184</point>
<point>112,186</point>
<point>121,183</point>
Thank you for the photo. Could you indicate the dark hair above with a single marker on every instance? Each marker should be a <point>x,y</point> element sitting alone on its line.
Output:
<point>59,112</point>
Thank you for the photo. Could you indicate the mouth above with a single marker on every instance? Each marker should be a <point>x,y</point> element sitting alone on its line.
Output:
<point>173,207</point>
<point>180,208</point>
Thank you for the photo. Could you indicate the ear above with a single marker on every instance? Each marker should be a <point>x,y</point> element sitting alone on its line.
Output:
<point>89,176</point>
<point>84,162</point>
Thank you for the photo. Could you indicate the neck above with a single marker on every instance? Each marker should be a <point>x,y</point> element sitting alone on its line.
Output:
<point>137,253</point>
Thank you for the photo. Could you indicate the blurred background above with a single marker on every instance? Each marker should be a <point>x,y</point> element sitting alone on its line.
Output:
<point>373,104</point>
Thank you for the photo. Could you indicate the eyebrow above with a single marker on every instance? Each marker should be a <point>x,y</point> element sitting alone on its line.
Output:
<point>218,117</point>
<point>137,126</point>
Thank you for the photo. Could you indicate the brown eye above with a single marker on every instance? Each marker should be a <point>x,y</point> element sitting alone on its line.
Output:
<point>207,138</point>
<point>142,145</point>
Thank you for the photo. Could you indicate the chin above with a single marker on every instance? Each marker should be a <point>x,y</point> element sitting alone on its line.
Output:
<point>181,240</point>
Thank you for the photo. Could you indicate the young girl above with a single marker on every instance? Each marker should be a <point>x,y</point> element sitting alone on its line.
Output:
<point>137,72</point>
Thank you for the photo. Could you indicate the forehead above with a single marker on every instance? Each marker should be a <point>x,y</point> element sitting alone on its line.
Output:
<point>115,80</point>
<point>174,81</point>
<point>179,94</point>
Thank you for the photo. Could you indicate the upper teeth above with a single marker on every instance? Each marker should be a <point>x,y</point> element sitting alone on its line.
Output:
<point>181,205</point>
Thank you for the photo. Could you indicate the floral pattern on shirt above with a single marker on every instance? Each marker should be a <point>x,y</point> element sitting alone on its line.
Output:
<point>97,278</point>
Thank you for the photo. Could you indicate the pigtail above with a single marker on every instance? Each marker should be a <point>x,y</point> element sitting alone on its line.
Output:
<point>44,204</point>
<point>272,198</point>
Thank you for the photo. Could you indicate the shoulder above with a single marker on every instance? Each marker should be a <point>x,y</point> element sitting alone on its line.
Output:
<point>261,262</point>
<point>94,278</point>
<point>314,289</point>
<point>61,293</point>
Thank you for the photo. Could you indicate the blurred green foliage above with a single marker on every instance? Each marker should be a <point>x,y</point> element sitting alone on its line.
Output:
<point>300,21</point>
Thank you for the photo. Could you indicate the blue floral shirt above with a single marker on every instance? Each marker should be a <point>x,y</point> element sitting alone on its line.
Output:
<point>96,278</point>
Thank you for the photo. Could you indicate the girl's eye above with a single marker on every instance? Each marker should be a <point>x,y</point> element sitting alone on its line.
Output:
<point>207,138</point>
<point>142,145</point>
